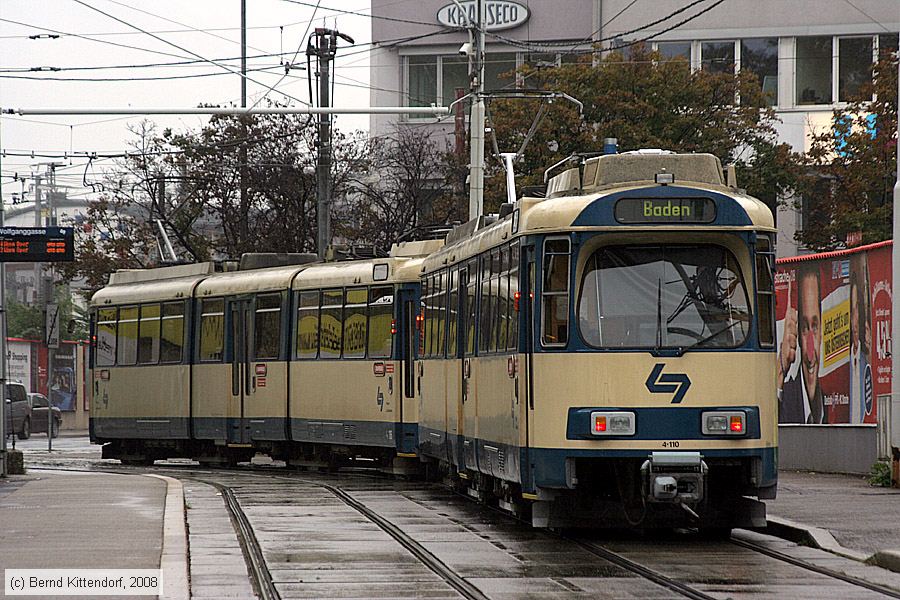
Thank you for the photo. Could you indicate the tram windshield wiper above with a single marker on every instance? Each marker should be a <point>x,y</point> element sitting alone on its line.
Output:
<point>707,338</point>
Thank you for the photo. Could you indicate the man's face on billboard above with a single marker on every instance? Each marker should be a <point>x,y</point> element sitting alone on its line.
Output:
<point>810,330</point>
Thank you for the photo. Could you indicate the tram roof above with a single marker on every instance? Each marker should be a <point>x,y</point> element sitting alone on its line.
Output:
<point>155,290</point>
<point>559,214</point>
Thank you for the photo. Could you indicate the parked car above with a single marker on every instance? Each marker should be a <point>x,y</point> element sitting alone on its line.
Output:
<point>40,407</point>
<point>18,411</point>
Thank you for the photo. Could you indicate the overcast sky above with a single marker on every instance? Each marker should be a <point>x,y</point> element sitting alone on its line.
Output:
<point>185,30</point>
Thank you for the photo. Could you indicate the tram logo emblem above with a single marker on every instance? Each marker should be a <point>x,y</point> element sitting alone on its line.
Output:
<point>679,383</point>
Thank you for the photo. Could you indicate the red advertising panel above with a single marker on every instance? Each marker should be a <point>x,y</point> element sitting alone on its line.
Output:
<point>833,326</point>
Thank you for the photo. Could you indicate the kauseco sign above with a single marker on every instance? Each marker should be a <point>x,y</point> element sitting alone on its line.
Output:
<point>500,14</point>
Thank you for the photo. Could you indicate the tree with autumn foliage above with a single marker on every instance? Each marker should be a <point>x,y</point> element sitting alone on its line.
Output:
<point>645,100</point>
<point>848,182</point>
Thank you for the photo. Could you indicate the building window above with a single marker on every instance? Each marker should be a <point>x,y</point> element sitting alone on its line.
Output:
<point>814,70</point>
<point>717,57</point>
<point>435,79</point>
<point>760,57</point>
<point>854,66</point>
<point>454,77</point>
<point>422,80</point>
<point>674,50</point>
<point>887,45</point>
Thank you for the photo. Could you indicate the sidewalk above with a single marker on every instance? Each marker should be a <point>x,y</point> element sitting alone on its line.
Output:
<point>864,521</point>
<point>67,520</point>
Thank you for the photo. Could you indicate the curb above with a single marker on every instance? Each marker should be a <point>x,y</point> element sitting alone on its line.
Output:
<point>173,561</point>
<point>816,537</point>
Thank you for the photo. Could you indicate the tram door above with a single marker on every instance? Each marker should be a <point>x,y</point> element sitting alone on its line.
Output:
<point>466,400</point>
<point>527,326</point>
<point>240,317</point>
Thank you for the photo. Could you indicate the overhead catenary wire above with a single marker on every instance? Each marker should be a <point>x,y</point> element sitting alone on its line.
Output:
<point>174,45</point>
<point>590,39</point>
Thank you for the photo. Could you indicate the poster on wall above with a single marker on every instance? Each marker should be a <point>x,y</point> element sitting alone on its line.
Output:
<point>18,361</point>
<point>833,327</point>
<point>879,358</point>
<point>63,382</point>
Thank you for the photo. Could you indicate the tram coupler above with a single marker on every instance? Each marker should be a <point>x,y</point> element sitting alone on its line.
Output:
<point>674,477</point>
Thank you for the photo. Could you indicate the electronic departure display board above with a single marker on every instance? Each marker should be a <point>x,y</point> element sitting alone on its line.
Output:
<point>665,210</point>
<point>37,244</point>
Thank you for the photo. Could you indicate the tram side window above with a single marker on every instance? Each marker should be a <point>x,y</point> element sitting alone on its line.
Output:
<point>308,325</point>
<point>330,334</point>
<point>355,323</point>
<point>512,341</point>
<point>471,293</point>
<point>440,302</point>
<point>765,291</point>
<point>212,329</point>
<point>106,337</point>
<point>427,316</point>
<point>484,325</point>
<point>267,327</point>
<point>555,292</point>
<point>128,336</point>
<point>148,339</point>
<point>452,313</point>
<point>381,317</point>
<point>172,335</point>
<point>503,299</point>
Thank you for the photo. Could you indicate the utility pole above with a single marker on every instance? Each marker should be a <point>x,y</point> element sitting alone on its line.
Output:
<point>38,180</point>
<point>242,152</point>
<point>476,121</point>
<point>324,50</point>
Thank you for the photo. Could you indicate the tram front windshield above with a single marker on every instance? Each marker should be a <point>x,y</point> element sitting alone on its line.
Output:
<point>663,297</point>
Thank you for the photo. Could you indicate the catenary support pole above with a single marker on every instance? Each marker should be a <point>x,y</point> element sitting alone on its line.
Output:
<point>476,122</point>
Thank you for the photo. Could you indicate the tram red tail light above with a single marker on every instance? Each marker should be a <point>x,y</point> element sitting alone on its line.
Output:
<point>724,422</point>
<point>393,326</point>
<point>516,297</point>
<point>612,422</point>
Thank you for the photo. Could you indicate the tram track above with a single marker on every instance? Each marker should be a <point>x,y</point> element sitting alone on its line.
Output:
<point>781,556</point>
<point>658,573</point>
<point>253,552</point>
<point>638,569</point>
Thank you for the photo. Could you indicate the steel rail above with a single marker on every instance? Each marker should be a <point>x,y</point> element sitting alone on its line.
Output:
<point>639,569</point>
<point>415,548</point>
<point>874,587</point>
<point>253,553</point>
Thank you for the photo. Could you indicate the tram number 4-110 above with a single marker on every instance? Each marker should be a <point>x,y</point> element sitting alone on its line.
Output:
<point>672,444</point>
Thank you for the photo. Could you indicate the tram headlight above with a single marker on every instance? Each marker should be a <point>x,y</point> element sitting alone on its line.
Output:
<point>612,423</point>
<point>724,422</point>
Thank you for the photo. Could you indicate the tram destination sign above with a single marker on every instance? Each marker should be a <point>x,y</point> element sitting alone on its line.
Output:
<point>665,210</point>
<point>37,244</point>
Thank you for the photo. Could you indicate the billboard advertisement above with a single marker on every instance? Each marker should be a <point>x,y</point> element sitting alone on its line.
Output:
<point>833,314</point>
